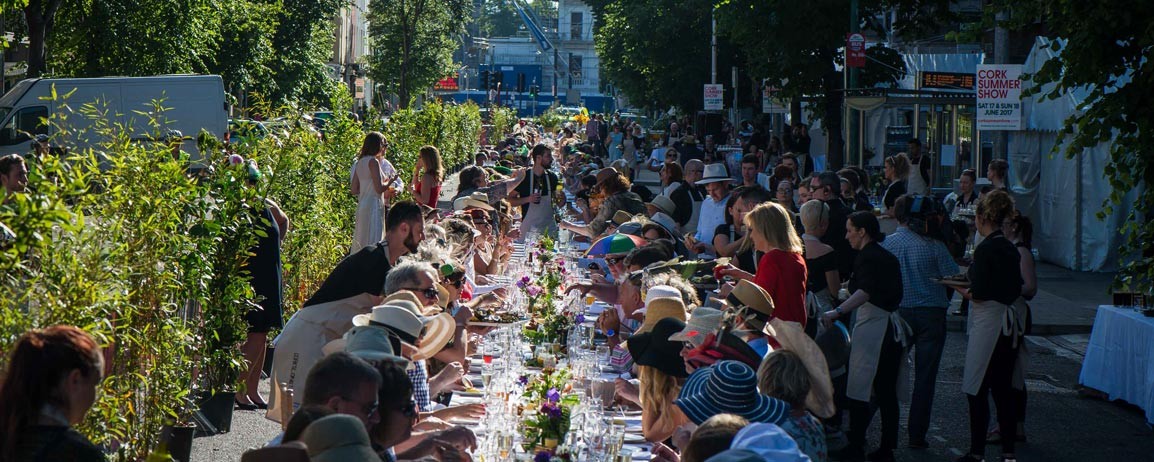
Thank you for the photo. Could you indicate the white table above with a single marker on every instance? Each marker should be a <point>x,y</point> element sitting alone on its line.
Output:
<point>1120,358</point>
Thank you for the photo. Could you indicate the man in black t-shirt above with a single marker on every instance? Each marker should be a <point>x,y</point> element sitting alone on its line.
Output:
<point>826,187</point>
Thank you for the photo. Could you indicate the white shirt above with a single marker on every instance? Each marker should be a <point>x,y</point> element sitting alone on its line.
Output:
<point>669,189</point>
<point>712,216</point>
<point>657,157</point>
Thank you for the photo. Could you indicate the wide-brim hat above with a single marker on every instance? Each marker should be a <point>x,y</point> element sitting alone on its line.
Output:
<point>632,228</point>
<point>661,291</point>
<point>406,295</point>
<point>662,204</point>
<point>728,387</point>
<point>714,173</point>
<point>338,438</point>
<point>371,343</point>
<point>661,308</point>
<point>442,296</point>
<point>654,349</point>
<point>401,316</point>
<point>791,336</point>
<point>476,200</point>
<point>438,333</point>
<point>702,322</point>
<point>760,304</point>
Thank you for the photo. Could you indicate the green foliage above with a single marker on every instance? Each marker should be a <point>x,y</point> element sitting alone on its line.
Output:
<point>1105,55</point>
<point>551,120</point>
<point>498,19</point>
<point>884,67</point>
<point>413,43</point>
<point>502,119</point>
<point>122,241</point>
<point>454,129</point>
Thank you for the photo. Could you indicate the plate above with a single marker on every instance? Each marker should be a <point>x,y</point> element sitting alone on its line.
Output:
<point>495,324</point>
<point>634,438</point>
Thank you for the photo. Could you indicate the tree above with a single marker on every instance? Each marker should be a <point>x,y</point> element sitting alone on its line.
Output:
<point>413,42</point>
<point>302,44</point>
<point>657,51</point>
<point>1105,52</point>
<point>498,19</point>
<point>40,16</point>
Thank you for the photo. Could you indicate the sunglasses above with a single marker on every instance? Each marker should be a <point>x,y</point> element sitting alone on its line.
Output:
<point>428,293</point>
<point>368,409</point>
<point>614,260</point>
<point>410,409</point>
<point>455,282</point>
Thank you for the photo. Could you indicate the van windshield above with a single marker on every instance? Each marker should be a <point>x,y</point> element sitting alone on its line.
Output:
<point>4,111</point>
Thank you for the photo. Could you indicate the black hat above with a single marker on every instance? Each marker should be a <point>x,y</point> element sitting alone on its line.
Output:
<point>654,349</point>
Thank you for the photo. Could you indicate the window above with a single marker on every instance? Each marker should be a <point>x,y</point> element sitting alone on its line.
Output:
<point>575,25</point>
<point>24,122</point>
<point>575,65</point>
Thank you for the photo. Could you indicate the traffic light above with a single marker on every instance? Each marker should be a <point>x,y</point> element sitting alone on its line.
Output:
<point>484,84</point>
<point>521,82</point>
<point>498,79</point>
<point>533,89</point>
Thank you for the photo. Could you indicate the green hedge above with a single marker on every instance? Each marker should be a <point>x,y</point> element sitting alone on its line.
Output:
<point>122,242</point>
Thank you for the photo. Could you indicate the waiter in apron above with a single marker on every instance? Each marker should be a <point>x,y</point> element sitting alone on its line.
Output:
<point>877,355</point>
<point>536,195</point>
<point>995,356</point>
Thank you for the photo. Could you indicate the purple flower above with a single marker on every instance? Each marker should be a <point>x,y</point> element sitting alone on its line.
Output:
<point>553,395</point>
<point>562,269</point>
<point>534,290</point>
<point>550,410</point>
<point>580,319</point>
<point>523,380</point>
<point>543,456</point>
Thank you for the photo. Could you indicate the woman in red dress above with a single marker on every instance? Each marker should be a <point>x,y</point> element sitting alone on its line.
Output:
<point>781,269</point>
<point>427,177</point>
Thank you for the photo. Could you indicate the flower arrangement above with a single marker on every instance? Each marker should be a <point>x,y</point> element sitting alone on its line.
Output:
<point>549,398</point>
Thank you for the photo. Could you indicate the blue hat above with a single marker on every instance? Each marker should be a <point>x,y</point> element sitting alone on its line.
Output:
<point>728,387</point>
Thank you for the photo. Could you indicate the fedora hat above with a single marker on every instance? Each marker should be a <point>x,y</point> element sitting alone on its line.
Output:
<point>661,308</point>
<point>701,323</point>
<point>728,387</point>
<point>662,204</point>
<point>371,343</point>
<point>620,217</point>
<point>400,316</point>
<point>714,173</point>
<point>476,200</point>
<point>338,437</point>
<point>748,294</point>
<point>654,348</point>
<point>667,222</point>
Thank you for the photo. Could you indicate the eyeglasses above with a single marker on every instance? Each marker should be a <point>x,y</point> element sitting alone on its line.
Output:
<point>455,282</point>
<point>614,260</point>
<point>428,293</point>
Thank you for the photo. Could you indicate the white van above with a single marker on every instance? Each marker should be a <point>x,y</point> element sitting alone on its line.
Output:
<point>192,102</point>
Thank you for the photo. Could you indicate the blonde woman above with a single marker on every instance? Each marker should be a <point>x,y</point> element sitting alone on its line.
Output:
<point>428,175</point>
<point>781,271</point>
<point>820,261</point>
<point>662,374</point>
<point>897,170</point>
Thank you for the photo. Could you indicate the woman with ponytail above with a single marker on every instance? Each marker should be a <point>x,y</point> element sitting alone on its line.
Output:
<point>47,388</point>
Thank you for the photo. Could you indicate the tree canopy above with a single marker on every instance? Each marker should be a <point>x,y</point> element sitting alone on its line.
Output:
<point>412,43</point>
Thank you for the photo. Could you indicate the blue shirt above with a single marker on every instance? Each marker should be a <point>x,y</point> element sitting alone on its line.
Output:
<point>760,345</point>
<point>921,258</point>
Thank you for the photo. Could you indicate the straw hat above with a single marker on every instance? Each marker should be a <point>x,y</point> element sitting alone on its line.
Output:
<point>338,437</point>
<point>661,291</point>
<point>406,295</point>
<point>661,308</point>
<point>620,217</point>
<point>661,204</point>
<point>443,296</point>
<point>477,200</point>
<point>748,294</point>
<point>702,322</point>
<point>715,173</point>
<point>438,333</point>
<point>405,319</point>
<point>728,387</point>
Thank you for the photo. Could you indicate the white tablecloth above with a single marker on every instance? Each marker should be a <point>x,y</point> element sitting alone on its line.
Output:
<point>1120,358</point>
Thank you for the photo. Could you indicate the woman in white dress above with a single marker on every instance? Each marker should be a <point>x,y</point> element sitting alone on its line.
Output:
<point>373,189</point>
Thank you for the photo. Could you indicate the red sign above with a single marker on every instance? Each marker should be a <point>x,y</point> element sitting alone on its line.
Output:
<point>447,84</point>
<point>855,50</point>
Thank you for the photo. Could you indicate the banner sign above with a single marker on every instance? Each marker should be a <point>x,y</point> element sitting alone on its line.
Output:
<point>449,83</point>
<point>999,97</point>
<point>855,50</point>
<point>947,80</point>
<point>714,97</point>
<point>769,103</point>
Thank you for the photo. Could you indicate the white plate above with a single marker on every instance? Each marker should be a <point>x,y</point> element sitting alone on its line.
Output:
<point>495,324</point>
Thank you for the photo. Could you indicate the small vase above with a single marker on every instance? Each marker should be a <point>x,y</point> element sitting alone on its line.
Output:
<point>550,443</point>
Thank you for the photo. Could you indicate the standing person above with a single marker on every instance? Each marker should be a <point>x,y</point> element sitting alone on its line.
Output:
<point>613,143</point>
<point>897,170</point>
<point>592,132</point>
<point>264,267</point>
<point>824,187</point>
<point>537,193</point>
<point>963,201</point>
<point>924,304</point>
<point>994,354</point>
<point>428,176</point>
<point>688,150</point>
<point>781,270</point>
<point>823,281</point>
<point>716,182</point>
<point>673,181</point>
<point>920,177</point>
<point>783,195</point>
<point>749,170</point>
<point>374,187</point>
<point>1020,231</point>
<point>48,386</point>
<point>602,133</point>
<point>879,338</point>
<point>694,170</point>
